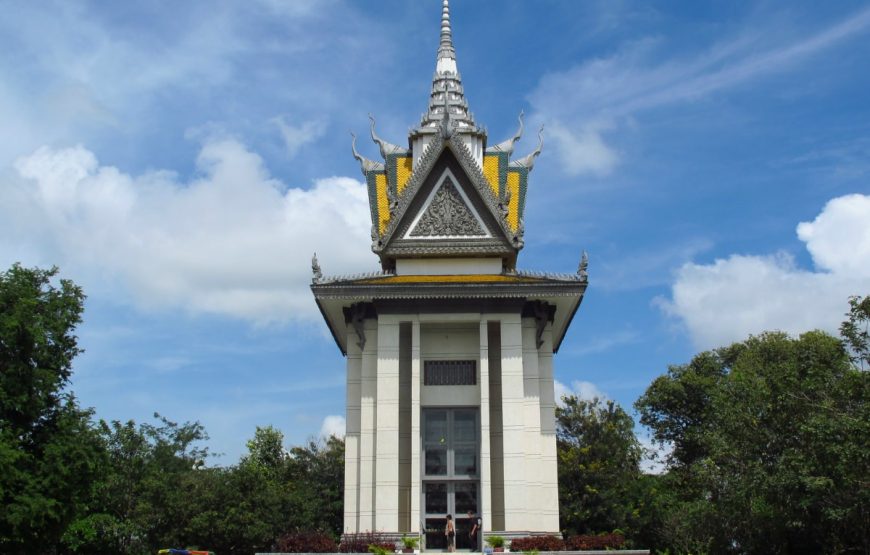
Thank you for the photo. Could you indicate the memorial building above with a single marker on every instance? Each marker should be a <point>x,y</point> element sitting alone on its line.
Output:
<point>450,402</point>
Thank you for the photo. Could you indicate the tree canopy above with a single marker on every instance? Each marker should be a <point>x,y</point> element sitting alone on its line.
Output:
<point>771,447</point>
<point>599,463</point>
<point>49,451</point>
<point>770,453</point>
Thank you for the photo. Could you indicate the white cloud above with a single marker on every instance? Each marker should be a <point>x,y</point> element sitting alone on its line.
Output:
<point>295,137</point>
<point>231,241</point>
<point>604,93</point>
<point>333,425</point>
<point>731,298</point>
<point>583,151</point>
<point>581,389</point>
<point>839,238</point>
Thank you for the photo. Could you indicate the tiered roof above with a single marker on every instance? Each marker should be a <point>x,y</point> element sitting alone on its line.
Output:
<point>448,195</point>
<point>447,129</point>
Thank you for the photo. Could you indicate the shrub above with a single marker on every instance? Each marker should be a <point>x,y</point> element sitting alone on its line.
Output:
<point>379,550</point>
<point>410,542</point>
<point>306,542</point>
<point>538,543</point>
<point>613,540</point>
<point>360,543</point>
<point>495,541</point>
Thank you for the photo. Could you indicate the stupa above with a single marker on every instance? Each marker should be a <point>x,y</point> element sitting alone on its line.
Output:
<point>450,400</point>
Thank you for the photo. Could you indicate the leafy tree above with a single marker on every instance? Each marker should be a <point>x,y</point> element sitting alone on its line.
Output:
<point>49,452</point>
<point>599,466</point>
<point>266,449</point>
<point>247,507</point>
<point>317,485</point>
<point>143,499</point>
<point>771,451</point>
<point>856,330</point>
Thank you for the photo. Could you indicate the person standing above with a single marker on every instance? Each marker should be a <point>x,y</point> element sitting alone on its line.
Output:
<point>450,532</point>
<point>474,533</point>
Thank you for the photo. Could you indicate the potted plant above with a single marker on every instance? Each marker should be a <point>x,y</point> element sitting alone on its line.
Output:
<point>496,542</point>
<point>410,543</point>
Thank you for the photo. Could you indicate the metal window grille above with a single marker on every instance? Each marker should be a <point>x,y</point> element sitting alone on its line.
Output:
<point>450,372</point>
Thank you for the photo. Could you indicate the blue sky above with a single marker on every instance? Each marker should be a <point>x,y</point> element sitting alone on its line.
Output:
<point>182,160</point>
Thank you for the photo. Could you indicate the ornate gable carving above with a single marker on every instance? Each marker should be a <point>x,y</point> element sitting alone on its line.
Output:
<point>447,214</point>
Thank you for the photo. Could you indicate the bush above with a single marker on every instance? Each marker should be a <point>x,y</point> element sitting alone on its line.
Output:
<point>613,540</point>
<point>360,543</point>
<point>306,542</point>
<point>539,543</point>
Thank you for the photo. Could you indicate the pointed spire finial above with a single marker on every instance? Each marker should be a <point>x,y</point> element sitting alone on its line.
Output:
<point>446,83</point>
<point>445,49</point>
<point>583,268</point>
<point>315,269</point>
<point>385,147</point>
<point>528,162</point>
<point>365,164</point>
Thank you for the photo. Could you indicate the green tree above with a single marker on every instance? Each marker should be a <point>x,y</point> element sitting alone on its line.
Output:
<point>599,466</point>
<point>266,449</point>
<point>143,499</point>
<point>49,452</point>
<point>317,485</point>
<point>245,508</point>
<point>771,449</point>
<point>856,330</point>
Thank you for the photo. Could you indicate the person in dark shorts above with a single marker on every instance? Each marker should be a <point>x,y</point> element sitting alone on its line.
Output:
<point>474,533</point>
<point>450,532</point>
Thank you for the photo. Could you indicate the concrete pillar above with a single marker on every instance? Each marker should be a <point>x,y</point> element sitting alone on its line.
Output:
<point>368,388</point>
<point>514,433</point>
<point>352,436</point>
<point>532,424</point>
<point>485,510</point>
<point>549,492</point>
<point>387,419</point>
<point>415,426</point>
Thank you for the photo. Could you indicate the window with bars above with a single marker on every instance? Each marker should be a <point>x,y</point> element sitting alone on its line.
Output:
<point>450,372</point>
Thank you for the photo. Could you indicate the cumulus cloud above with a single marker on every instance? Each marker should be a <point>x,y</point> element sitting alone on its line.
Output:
<point>297,136</point>
<point>333,425</point>
<point>232,240</point>
<point>583,151</point>
<point>579,388</point>
<point>740,295</point>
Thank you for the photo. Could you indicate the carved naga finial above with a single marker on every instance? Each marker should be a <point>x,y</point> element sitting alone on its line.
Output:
<point>508,145</point>
<point>384,146</point>
<point>528,162</point>
<point>505,204</point>
<point>582,269</point>
<point>315,269</point>
<point>366,165</point>
<point>446,129</point>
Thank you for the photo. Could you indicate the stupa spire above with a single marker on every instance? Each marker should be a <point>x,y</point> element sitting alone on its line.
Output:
<point>447,93</point>
<point>445,49</point>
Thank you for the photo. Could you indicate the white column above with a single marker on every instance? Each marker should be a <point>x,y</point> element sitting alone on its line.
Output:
<point>387,438</point>
<point>485,472</point>
<point>368,400</point>
<point>352,436</point>
<point>549,493</point>
<point>532,424</point>
<point>415,426</point>
<point>513,428</point>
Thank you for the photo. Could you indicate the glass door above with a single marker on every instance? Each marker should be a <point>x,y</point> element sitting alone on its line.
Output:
<point>451,474</point>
